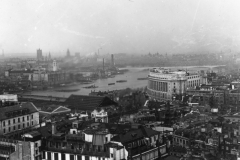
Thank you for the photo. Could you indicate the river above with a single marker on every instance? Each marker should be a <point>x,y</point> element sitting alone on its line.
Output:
<point>131,76</point>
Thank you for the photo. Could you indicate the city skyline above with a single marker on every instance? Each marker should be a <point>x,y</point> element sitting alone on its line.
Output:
<point>113,26</point>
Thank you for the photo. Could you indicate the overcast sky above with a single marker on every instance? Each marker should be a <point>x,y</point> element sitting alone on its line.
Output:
<point>117,26</point>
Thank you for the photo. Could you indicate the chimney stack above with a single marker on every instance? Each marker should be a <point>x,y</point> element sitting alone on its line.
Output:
<point>112,58</point>
<point>53,128</point>
<point>103,64</point>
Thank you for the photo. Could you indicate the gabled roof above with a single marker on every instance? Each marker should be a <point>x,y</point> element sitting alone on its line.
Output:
<point>62,109</point>
<point>51,109</point>
<point>24,105</point>
<point>89,103</point>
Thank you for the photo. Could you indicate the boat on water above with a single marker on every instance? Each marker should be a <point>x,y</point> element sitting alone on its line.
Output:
<point>92,86</point>
<point>121,81</point>
<point>111,84</point>
<point>112,76</point>
<point>145,78</point>
<point>67,90</point>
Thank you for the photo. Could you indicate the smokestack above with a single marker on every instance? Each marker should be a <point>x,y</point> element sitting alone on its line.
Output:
<point>53,128</point>
<point>103,64</point>
<point>112,57</point>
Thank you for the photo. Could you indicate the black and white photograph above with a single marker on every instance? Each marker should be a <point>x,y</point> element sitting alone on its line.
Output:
<point>119,80</point>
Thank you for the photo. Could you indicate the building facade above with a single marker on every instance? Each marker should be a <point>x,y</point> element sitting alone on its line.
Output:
<point>164,84</point>
<point>18,117</point>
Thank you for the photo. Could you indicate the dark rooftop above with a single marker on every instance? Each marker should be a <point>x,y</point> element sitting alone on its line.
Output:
<point>89,103</point>
<point>15,108</point>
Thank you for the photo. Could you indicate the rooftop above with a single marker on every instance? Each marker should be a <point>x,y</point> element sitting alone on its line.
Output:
<point>11,111</point>
<point>89,103</point>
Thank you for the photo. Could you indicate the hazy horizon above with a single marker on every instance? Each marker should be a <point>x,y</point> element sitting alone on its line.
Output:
<point>119,26</point>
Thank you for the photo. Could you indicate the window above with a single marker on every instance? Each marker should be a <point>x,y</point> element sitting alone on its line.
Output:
<point>49,156</point>
<point>27,117</point>
<point>14,128</point>
<point>14,121</point>
<point>43,155</point>
<point>4,130</point>
<point>106,139</point>
<point>111,155</point>
<point>18,119</point>
<point>28,124</point>
<point>23,125</point>
<point>71,157</point>
<point>55,156</point>
<point>32,123</point>
<point>32,116</point>
<point>9,122</point>
<point>23,119</point>
<point>19,126</point>
<point>4,123</point>
<point>9,129</point>
<point>79,157</point>
<point>63,156</point>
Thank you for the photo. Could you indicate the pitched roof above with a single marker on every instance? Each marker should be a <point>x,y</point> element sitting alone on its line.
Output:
<point>13,109</point>
<point>51,109</point>
<point>83,102</point>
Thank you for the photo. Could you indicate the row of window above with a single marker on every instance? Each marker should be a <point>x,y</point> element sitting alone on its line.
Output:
<point>13,128</point>
<point>180,140</point>
<point>18,120</point>
<point>62,156</point>
<point>191,77</point>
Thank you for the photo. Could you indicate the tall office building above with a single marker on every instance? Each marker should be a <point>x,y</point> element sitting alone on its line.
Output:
<point>39,54</point>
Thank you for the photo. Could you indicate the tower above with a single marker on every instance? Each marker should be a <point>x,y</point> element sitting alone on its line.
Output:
<point>68,53</point>
<point>54,65</point>
<point>112,60</point>
<point>39,54</point>
<point>49,56</point>
<point>103,65</point>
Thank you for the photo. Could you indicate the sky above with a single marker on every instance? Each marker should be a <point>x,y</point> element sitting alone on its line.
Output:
<point>119,26</point>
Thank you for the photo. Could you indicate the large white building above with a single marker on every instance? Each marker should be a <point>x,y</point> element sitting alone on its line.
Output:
<point>164,84</point>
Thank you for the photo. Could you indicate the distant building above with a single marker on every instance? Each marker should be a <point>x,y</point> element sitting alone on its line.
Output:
<point>68,53</point>
<point>18,73</point>
<point>51,78</point>
<point>112,60</point>
<point>49,56</point>
<point>55,67</point>
<point>39,54</point>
